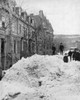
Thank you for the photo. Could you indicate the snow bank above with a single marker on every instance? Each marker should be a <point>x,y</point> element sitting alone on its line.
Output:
<point>56,77</point>
<point>33,68</point>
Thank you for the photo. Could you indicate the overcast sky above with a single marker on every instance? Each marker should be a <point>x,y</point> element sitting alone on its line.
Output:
<point>64,15</point>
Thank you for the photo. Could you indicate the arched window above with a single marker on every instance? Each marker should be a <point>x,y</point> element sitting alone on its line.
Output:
<point>3,22</point>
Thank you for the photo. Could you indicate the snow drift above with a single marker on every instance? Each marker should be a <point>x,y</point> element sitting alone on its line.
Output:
<point>59,80</point>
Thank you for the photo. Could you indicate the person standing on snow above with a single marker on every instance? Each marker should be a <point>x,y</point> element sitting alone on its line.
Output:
<point>0,73</point>
<point>76,55</point>
<point>70,54</point>
<point>61,48</point>
<point>53,50</point>
<point>65,58</point>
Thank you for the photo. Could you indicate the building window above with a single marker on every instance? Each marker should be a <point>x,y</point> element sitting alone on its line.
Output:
<point>3,24</point>
<point>24,30</point>
<point>31,21</point>
<point>0,24</point>
<point>27,33</point>
<point>13,9</point>
<point>13,27</point>
<point>2,21</point>
<point>7,4</point>
<point>14,46</point>
<point>25,46</point>
<point>22,46</point>
<point>33,48</point>
<point>20,28</point>
<point>18,46</point>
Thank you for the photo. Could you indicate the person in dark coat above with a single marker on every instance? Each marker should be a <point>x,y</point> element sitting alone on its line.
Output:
<point>76,55</point>
<point>53,50</point>
<point>65,58</point>
<point>70,54</point>
<point>0,73</point>
<point>61,48</point>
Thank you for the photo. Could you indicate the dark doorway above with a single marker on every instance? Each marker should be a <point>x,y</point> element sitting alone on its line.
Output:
<point>2,53</point>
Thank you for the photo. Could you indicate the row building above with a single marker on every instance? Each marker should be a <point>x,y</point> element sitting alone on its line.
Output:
<point>22,35</point>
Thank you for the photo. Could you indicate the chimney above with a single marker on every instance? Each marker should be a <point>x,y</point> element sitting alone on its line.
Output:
<point>18,10</point>
<point>41,13</point>
<point>31,15</point>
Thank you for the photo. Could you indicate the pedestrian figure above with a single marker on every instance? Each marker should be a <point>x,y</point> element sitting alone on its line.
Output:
<point>65,58</point>
<point>0,73</point>
<point>70,54</point>
<point>53,50</point>
<point>61,48</point>
<point>76,55</point>
<point>79,56</point>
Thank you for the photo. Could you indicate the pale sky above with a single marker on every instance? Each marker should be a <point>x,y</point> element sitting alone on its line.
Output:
<point>64,15</point>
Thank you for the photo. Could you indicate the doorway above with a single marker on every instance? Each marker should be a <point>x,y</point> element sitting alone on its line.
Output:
<point>2,53</point>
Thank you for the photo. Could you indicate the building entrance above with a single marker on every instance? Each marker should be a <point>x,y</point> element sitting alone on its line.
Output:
<point>2,53</point>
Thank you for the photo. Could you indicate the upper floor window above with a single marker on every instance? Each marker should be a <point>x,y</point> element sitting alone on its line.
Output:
<point>0,23</point>
<point>13,27</point>
<point>14,46</point>
<point>20,28</point>
<point>13,9</point>
<point>3,19</point>
<point>8,4</point>
<point>24,30</point>
<point>3,24</point>
<point>31,21</point>
<point>18,46</point>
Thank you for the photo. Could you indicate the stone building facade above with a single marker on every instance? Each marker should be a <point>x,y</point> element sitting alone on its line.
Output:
<point>43,33</point>
<point>22,35</point>
<point>15,34</point>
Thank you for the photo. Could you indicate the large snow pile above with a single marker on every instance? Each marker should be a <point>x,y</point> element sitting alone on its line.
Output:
<point>32,69</point>
<point>59,80</point>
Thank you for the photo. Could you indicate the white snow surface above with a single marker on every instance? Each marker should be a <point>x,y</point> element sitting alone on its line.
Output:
<point>59,80</point>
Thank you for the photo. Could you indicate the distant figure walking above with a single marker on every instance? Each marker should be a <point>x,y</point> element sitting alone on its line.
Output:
<point>76,55</point>
<point>0,73</point>
<point>53,50</point>
<point>70,54</point>
<point>65,58</point>
<point>61,48</point>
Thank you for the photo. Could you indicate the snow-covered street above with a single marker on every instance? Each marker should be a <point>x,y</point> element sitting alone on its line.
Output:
<point>41,77</point>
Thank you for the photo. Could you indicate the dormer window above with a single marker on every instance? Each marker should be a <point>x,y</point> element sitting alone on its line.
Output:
<point>13,9</point>
<point>31,21</point>
<point>8,4</point>
<point>0,24</point>
<point>3,19</point>
<point>22,14</point>
<point>3,24</point>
